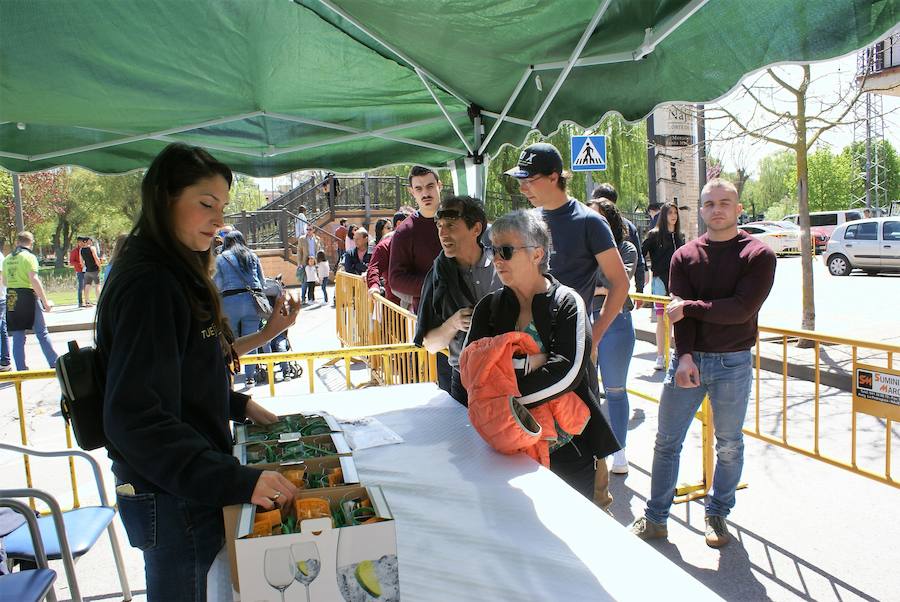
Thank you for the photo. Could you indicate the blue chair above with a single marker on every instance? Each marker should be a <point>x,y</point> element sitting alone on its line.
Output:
<point>29,585</point>
<point>71,534</point>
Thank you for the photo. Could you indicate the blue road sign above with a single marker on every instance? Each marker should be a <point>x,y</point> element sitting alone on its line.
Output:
<point>588,153</point>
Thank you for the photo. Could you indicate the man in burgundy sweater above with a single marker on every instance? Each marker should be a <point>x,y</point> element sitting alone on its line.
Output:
<point>414,248</point>
<point>718,283</point>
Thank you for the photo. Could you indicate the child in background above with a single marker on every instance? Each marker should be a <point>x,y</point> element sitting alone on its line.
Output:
<point>324,269</point>
<point>312,279</point>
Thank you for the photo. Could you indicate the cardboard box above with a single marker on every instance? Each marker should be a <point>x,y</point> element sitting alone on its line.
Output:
<point>289,426</point>
<point>355,563</point>
<point>254,454</point>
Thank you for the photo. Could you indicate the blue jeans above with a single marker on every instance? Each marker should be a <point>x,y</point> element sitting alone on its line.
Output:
<point>4,336</point>
<point>726,377</point>
<point>79,276</point>
<point>324,290</point>
<point>179,539</point>
<point>241,313</point>
<point>613,358</point>
<point>43,337</point>
<point>279,345</point>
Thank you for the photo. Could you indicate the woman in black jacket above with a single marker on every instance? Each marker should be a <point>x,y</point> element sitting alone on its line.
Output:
<point>169,354</point>
<point>660,245</point>
<point>534,302</point>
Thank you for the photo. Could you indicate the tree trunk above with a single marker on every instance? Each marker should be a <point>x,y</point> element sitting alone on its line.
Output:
<point>806,252</point>
<point>58,249</point>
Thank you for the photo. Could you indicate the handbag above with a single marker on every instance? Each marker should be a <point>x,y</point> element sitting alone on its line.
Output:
<point>81,381</point>
<point>260,301</point>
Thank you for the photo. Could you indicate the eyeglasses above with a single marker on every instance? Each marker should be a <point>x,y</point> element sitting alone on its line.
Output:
<point>505,252</point>
<point>531,180</point>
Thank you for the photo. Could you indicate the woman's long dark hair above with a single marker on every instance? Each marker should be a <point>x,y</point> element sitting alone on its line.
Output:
<point>379,228</point>
<point>609,210</point>
<point>174,169</point>
<point>662,221</point>
<point>234,242</point>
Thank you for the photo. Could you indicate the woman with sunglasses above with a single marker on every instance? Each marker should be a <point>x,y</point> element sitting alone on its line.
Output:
<point>533,302</point>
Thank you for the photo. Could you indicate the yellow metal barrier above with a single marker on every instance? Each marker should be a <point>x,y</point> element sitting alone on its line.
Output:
<point>667,325</point>
<point>814,451</point>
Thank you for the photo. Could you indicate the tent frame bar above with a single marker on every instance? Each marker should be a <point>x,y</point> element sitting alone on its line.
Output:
<point>506,108</point>
<point>342,13</point>
<point>141,137</point>
<point>379,133</point>
<point>576,53</point>
<point>652,39</point>
<point>443,109</point>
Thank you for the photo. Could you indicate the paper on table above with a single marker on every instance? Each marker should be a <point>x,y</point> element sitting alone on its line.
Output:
<point>363,433</point>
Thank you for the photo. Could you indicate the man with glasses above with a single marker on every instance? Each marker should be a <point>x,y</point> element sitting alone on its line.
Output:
<point>462,274</point>
<point>581,242</point>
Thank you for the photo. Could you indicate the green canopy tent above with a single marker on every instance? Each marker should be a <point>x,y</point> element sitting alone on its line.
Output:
<point>273,85</point>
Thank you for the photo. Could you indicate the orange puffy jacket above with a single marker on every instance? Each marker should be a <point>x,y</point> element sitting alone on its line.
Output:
<point>486,368</point>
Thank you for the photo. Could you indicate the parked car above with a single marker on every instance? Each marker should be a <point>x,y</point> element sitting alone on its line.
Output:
<point>827,221</point>
<point>781,240</point>
<point>872,245</point>
<point>819,235</point>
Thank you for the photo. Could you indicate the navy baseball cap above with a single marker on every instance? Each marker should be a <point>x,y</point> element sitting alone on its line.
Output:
<point>537,159</point>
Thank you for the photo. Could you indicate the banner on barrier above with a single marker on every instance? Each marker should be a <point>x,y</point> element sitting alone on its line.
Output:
<point>876,391</point>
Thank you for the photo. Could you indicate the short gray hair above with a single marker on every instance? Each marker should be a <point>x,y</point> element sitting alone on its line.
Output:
<point>531,228</point>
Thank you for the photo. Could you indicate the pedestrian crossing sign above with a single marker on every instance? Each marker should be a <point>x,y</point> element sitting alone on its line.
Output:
<point>588,153</point>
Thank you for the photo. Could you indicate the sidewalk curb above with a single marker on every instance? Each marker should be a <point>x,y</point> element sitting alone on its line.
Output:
<point>771,363</point>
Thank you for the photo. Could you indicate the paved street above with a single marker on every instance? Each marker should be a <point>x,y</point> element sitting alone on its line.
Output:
<point>857,306</point>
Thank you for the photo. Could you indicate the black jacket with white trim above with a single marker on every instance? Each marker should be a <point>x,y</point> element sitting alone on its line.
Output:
<point>562,323</point>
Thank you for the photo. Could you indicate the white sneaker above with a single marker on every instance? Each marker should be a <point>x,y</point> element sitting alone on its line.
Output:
<point>660,363</point>
<point>619,463</point>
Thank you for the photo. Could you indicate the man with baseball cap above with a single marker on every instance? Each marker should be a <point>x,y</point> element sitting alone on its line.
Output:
<point>461,275</point>
<point>581,242</point>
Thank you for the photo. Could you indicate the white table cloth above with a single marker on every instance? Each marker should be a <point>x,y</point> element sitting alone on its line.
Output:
<point>473,524</point>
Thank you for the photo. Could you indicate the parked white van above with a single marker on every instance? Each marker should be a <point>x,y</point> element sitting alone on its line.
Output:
<point>872,245</point>
<point>828,220</point>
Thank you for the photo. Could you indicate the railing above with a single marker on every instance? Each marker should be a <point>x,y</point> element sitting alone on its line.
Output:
<point>879,57</point>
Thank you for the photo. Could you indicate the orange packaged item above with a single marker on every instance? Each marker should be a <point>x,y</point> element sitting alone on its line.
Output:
<point>295,476</point>
<point>265,522</point>
<point>336,477</point>
<point>313,507</point>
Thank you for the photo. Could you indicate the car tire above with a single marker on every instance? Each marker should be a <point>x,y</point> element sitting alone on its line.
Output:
<point>838,265</point>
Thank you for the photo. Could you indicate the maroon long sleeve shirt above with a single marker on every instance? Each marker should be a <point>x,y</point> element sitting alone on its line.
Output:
<point>413,250</point>
<point>724,284</point>
<point>379,265</point>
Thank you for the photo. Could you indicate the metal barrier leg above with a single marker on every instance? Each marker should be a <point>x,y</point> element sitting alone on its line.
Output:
<point>120,562</point>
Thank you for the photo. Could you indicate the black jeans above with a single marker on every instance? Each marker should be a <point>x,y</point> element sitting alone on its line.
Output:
<point>179,539</point>
<point>457,391</point>
<point>576,467</point>
<point>444,372</point>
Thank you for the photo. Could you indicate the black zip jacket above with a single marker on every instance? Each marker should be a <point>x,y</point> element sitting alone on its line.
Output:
<point>168,396</point>
<point>660,246</point>
<point>562,323</point>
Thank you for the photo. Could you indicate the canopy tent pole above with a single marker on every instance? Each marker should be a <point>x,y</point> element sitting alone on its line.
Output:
<point>169,139</point>
<point>506,108</point>
<point>516,120</point>
<point>141,137</point>
<point>652,39</point>
<point>381,133</point>
<point>401,55</point>
<point>443,110</point>
<point>588,31</point>
<point>479,160</point>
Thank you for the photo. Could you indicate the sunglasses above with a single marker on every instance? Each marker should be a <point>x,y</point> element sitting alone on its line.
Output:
<point>505,252</point>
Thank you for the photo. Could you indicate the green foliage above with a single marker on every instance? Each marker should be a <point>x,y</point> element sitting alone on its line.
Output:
<point>626,148</point>
<point>245,195</point>
<point>776,183</point>
<point>829,181</point>
<point>858,166</point>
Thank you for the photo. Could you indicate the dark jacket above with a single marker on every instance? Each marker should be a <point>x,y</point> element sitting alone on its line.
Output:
<point>353,264</point>
<point>168,394</point>
<point>659,247</point>
<point>562,323</point>
<point>640,268</point>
